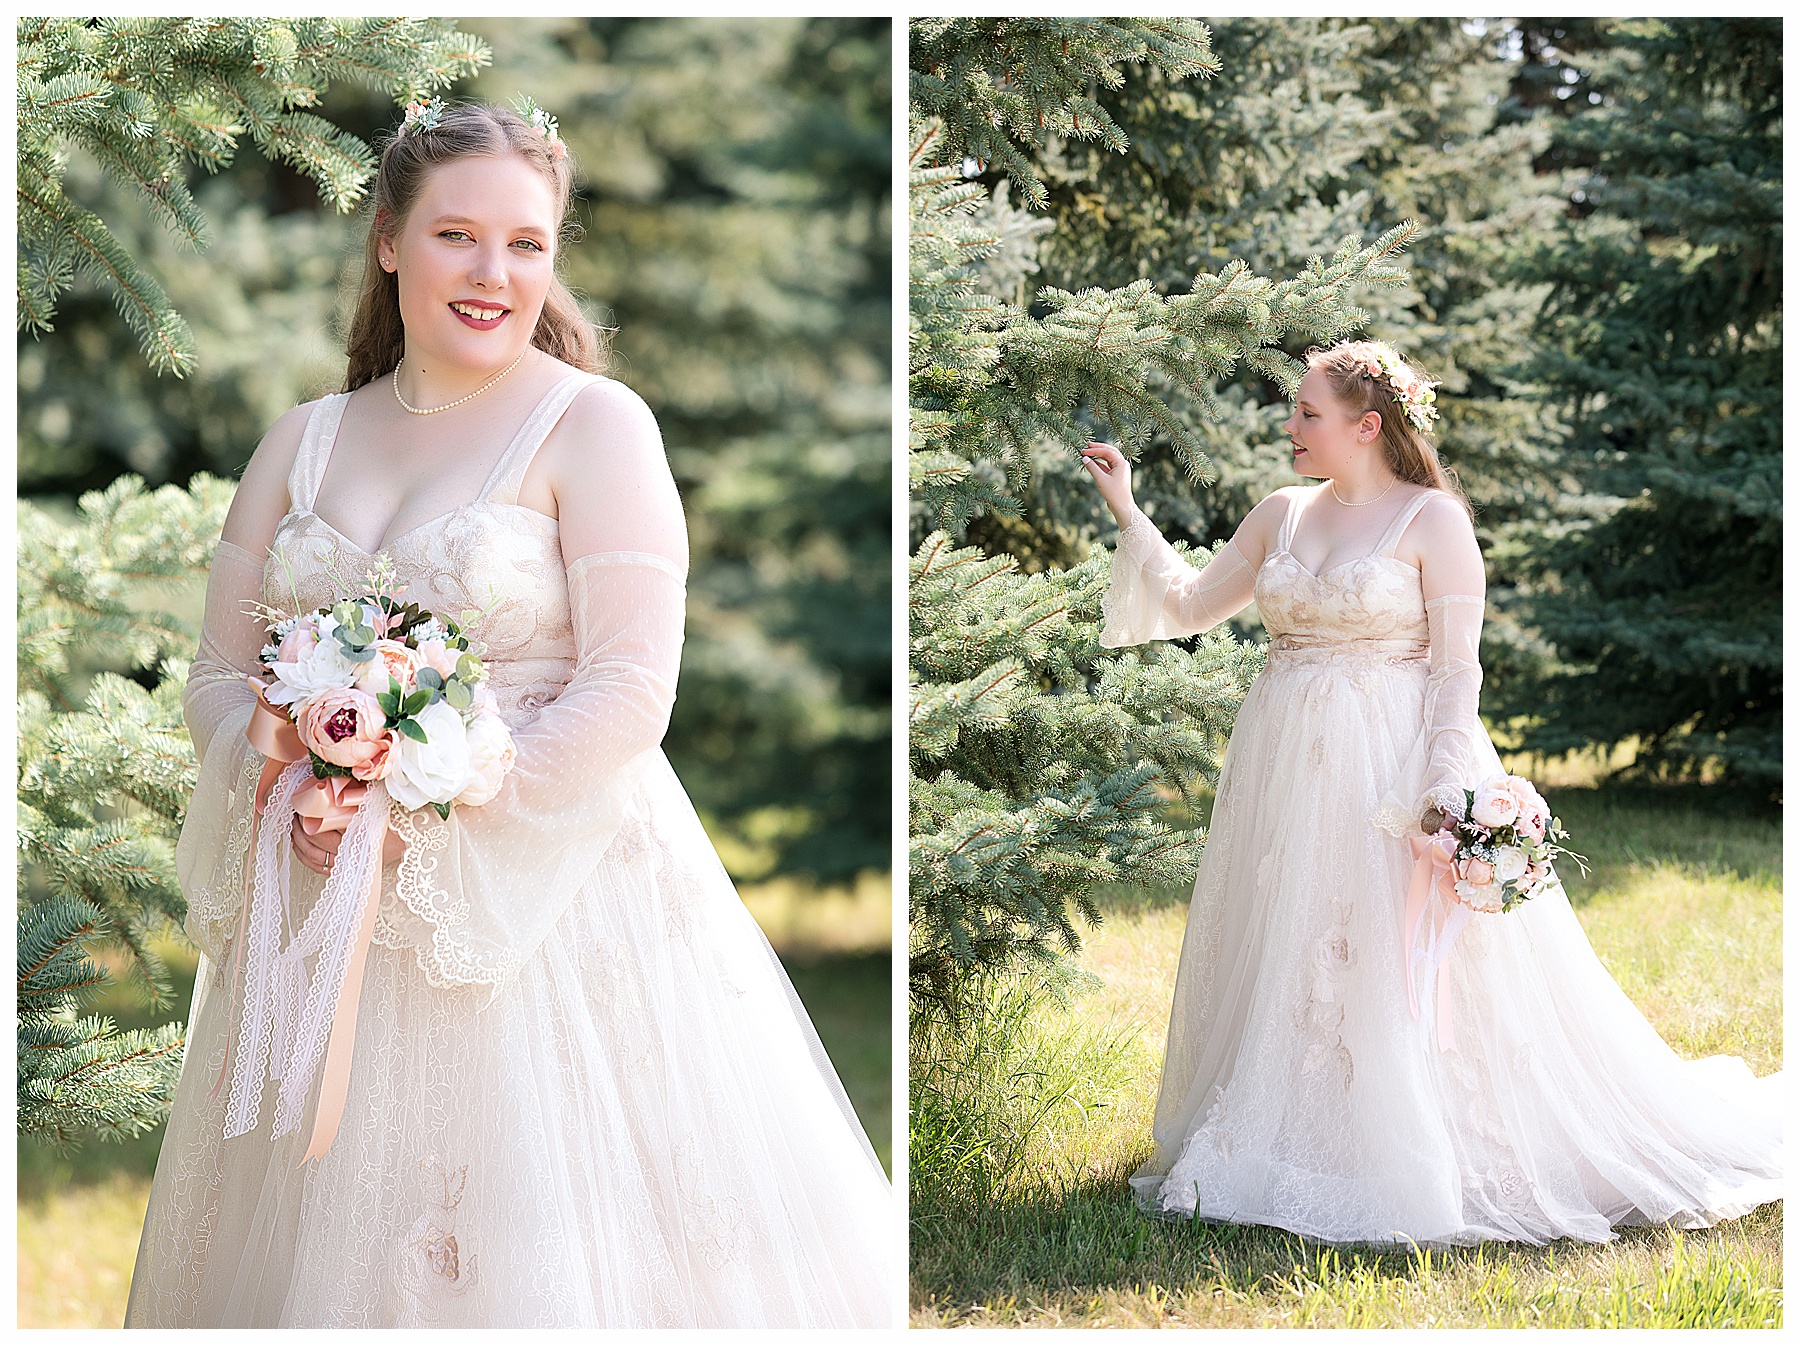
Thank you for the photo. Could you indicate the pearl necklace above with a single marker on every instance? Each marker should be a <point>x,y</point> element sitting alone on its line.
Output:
<point>432,411</point>
<point>1352,504</point>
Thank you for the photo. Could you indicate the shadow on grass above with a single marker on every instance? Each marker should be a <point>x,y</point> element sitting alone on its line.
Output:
<point>1079,1248</point>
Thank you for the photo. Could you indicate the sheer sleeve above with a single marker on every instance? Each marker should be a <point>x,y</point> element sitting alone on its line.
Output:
<point>489,883</point>
<point>1453,748</point>
<point>1453,726</point>
<point>216,702</point>
<point>1155,595</point>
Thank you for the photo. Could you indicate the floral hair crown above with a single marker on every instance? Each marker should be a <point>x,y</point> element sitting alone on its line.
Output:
<point>543,123</point>
<point>1413,391</point>
<point>422,114</point>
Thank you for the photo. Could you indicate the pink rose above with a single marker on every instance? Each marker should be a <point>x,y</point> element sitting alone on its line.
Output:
<point>437,655</point>
<point>1478,872</point>
<point>1494,805</point>
<point>1531,825</point>
<point>346,727</point>
<point>299,642</point>
<point>392,660</point>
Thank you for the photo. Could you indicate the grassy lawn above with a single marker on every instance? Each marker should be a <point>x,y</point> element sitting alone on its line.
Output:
<point>1684,907</point>
<point>80,1215</point>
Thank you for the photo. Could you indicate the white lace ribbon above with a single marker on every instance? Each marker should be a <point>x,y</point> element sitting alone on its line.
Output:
<point>287,1014</point>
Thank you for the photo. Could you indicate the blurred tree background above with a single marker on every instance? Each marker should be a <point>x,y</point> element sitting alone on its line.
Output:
<point>735,232</point>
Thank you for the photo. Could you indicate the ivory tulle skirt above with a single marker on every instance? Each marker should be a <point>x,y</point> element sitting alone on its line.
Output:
<point>642,1131</point>
<point>1300,1091</point>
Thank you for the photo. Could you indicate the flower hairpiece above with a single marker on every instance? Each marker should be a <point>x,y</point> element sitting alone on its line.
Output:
<point>1413,391</point>
<point>422,114</point>
<point>543,123</point>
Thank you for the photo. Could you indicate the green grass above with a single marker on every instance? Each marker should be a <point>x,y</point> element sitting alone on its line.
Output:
<point>1683,905</point>
<point>80,1214</point>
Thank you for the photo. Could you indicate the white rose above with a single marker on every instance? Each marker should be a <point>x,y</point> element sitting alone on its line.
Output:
<point>490,758</point>
<point>320,670</point>
<point>435,771</point>
<point>1509,864</point>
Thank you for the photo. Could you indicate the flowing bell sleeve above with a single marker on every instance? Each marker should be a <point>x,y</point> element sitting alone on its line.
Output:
<point>1446,757</point>
<point>216,702</point>
<point>485,886</point>
<point>1155,595</point>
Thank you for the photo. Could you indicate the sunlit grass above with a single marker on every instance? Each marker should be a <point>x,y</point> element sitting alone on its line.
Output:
<point>1683,905</point>
<point>76,1249</point>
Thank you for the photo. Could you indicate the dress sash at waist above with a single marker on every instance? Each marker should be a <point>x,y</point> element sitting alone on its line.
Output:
<point>1300,651</point>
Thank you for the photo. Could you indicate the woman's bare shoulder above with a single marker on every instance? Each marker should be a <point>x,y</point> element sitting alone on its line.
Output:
<point>262,494</point>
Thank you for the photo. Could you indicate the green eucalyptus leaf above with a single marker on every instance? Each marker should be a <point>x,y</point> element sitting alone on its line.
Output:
<point>458,695</point>
<point>429,677</point>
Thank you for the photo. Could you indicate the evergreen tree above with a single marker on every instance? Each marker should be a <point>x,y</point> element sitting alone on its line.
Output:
<point>104,774</point>
<point>1313,129</point>
<point>1662,346</point>
<point>146,98</point>
<point>1039,761</point>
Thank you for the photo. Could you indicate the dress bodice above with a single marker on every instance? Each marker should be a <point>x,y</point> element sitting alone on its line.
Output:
<point>491,555</point>
<point>1369,605</point>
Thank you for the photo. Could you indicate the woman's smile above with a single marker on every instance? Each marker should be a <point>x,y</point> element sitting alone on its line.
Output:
<point>482,316</point>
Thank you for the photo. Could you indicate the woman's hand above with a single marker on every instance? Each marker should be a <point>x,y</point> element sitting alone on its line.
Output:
<point>1112,474</point>
<point>320,853</point>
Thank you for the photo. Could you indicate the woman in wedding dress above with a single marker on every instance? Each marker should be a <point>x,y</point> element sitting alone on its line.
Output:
<point>582,1092</point>
<point>1299,1088</point>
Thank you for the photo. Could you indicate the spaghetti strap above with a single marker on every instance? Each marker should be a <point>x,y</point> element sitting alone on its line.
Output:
<point>503,482</point>
<point>1391,538</point>
<point>316,443</point>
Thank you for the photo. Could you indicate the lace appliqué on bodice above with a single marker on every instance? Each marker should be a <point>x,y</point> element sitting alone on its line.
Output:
<point>490,555</point>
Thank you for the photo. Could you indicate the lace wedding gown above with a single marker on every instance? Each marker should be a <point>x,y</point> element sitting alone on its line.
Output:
<point>1298,1090</point>
<point>582,1092</point>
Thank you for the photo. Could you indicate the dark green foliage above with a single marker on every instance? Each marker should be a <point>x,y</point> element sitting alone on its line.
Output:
<point>1661,594</point>
<point>148,99</point>
<point>105,771</point>
<point>1040,762</point>
<point>1005,87</point>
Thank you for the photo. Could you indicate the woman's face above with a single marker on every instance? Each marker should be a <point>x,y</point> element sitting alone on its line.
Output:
<point>474,258</point>
<point>1327,436</point>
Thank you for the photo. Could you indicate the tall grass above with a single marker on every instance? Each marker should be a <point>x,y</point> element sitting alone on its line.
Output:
<point>1683,904</point>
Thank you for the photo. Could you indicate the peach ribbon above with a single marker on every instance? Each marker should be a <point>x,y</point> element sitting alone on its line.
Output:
<point>1433,875</point>
<point>326,805</point>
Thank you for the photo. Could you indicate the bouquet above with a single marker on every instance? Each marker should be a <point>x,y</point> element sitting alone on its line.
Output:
<point>1503,845</point>
<point>380,690</point>
<point>1497,855</point>
<point>370,702</point>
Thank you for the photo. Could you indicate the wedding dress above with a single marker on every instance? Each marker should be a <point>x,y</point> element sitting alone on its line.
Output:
<point>583,1092</point>
<point>1298,1088</point>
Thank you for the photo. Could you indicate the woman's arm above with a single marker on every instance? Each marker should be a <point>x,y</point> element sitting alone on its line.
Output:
<point>1154,593</point>
<point>1454,582</point>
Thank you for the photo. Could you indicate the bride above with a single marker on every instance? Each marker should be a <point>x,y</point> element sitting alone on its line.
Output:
<point>582,1092</point>
<point>1299,1089</point>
